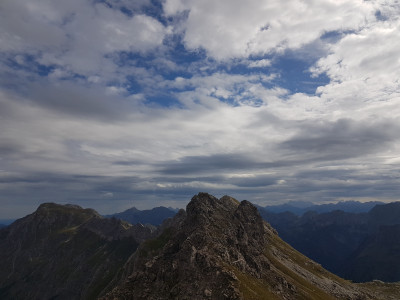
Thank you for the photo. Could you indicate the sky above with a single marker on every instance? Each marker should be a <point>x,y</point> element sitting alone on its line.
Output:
<point>111,104</point>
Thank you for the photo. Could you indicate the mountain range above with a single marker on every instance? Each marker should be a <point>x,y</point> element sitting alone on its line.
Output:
<point>357,246</point>
<point>301,207</point>
<point>153,216</point>
<point>215,249</point>
<point>341,236</point>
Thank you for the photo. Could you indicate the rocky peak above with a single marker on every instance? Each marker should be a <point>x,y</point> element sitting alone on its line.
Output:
<point>228,229</point>
<point>222,249</point>
<point>52,214</point>
<point>64,252</point>
<point>204,203</point>
<point>207,210</point>
<point>49,217</point>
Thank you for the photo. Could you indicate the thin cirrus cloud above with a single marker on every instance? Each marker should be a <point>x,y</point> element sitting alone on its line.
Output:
<point>111,104</point>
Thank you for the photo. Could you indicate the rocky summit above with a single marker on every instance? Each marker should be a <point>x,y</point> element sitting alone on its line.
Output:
<point>222,249</point>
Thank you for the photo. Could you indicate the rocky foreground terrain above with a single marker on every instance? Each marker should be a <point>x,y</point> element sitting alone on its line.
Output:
<point>216,249</point>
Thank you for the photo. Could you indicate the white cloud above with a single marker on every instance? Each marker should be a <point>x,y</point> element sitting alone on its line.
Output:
<point>260,63</point>
<point>235,89</point>
<point>228,29</point>
<point>364,68</point>
<point>75,35</point>
<point>370,56</point>
<point>57,142</point>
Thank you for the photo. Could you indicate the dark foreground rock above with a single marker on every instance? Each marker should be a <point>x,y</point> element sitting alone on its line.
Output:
<point>64,252</point>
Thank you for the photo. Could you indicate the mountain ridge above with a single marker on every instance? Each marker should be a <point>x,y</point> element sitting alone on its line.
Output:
<point>223,249</point>
<point>216,249</point>
<point>299,208</point>
<point>154,216</point>
<point>64,252</point>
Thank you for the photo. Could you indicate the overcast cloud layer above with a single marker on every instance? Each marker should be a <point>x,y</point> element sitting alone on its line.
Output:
<point>119,103</point>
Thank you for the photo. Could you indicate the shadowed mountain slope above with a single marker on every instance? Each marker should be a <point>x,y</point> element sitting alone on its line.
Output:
<point>64,252</point>
<point>378,257</point>
<point>360,247</point>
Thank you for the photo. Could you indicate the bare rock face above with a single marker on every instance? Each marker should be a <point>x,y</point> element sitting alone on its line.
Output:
<point>222,249</point>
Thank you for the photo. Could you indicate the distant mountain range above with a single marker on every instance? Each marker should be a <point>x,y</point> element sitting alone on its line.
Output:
<point>157,215</point>
<point>356,246</point>
<point>153,216</point>
<point>5,222</point>
<point>300,207</point>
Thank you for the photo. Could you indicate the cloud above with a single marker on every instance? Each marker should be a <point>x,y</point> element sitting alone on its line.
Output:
<point>79,101</point>
<point>363,65</point>
<point>342,139</point>
<point>110,103</point>
<point>76,36</point>
<point>260,63</point>
<point>227,29</point>
<point>234,89</point>
<point>205,164</point>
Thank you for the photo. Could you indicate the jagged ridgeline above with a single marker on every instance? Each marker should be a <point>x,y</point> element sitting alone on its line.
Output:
<point>216,249</point>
